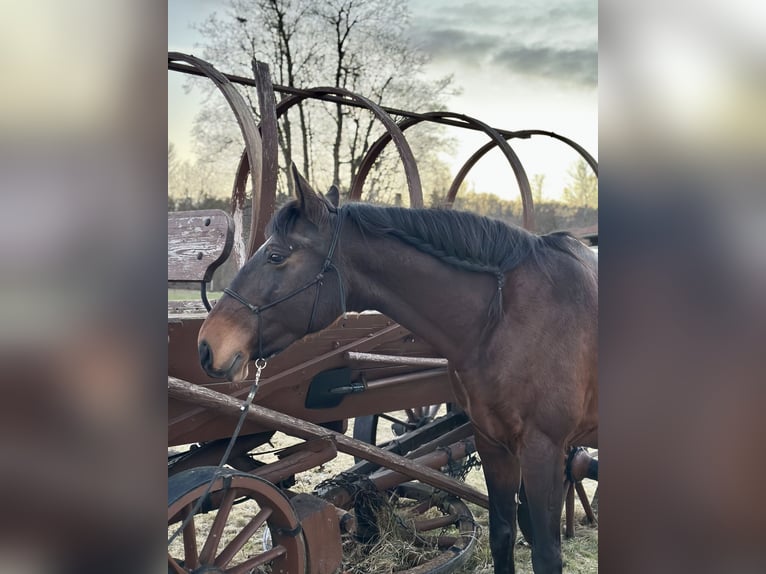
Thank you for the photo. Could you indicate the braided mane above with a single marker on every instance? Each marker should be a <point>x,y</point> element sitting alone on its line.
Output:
<point>461,239</point>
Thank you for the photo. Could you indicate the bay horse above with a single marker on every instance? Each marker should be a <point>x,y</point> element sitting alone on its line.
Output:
<point>515,313</point>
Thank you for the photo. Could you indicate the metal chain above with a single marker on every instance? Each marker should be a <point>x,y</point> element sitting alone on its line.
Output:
<point>260,364</point>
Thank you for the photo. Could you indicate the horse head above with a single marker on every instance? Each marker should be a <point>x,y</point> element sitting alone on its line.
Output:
<point>289,287</point>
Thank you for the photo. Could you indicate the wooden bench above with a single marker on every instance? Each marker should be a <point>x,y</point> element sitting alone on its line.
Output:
<point>198,243</point>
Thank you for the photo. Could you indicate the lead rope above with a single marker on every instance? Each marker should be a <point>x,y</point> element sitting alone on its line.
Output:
<point>260,364</point>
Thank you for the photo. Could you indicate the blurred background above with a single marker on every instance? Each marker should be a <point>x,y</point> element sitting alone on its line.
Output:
<point>683,271</point>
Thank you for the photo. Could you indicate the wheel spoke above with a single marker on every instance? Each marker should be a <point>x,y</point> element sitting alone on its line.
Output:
<point>175,565</point>
<point>433,523</point>
<point>256,561</point>
<point>214,536</point>
<point>394,420</point>
<point>242,537</point>
<point>432,410</point>
<point>191,558</point>
<point>420,508</point>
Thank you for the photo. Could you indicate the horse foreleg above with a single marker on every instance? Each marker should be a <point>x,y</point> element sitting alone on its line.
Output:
<point>502,475</point>
<point>542,465</point>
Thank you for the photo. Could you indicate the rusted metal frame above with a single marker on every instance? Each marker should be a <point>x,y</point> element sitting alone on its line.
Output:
<point>461,548</point>
<point>355,356</point>
<point>528,215</point>
<point>447,428</point>
<point>187,392</point>
<point>337,100</point>
<point>521,134</point>
<point>253,144</point>
<point>387,479</point>
<point>589,159</point>
<point>347,97</point>
<point>402,379</point>
<point>583,496</point>
<point>209,454</point>
<point>497,139</point>
<point>462,432</point>
<point>310,454</point>
<point>481,152</point>
<point>385,335</point>
<point>268,172</point>
<point>456,549</point>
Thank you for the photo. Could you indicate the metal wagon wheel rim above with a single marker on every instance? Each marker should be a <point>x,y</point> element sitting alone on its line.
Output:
<point>455,548</point>
<point>208,550</point>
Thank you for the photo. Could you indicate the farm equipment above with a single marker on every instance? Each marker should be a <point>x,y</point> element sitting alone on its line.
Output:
<point>363,366</point>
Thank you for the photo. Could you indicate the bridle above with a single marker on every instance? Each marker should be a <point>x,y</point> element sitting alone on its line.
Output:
<point>318,281</point>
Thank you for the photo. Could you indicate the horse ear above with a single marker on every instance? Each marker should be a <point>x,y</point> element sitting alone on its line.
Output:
<point>312,205</point>
<point>333,194</point>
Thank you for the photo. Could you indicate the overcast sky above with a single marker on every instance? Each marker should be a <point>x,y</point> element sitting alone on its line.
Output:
<point>521,65</point>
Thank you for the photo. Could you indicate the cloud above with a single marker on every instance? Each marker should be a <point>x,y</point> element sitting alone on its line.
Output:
<point>554,40</point>
<point>573,65</point>
<point>454,44</point>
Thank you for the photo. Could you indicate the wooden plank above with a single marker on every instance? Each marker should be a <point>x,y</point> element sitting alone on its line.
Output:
<point>187,307</point>
<point>292,426</point>
<point>198,242</point>
<point>355,356</point>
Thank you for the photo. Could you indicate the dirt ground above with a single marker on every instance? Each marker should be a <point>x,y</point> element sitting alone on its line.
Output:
<point>580,553</point>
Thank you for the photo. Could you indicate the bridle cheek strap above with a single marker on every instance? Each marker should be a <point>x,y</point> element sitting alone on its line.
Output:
<point>318,281</point>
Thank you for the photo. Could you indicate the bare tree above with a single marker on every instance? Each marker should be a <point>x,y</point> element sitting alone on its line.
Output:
<point>358,45</point>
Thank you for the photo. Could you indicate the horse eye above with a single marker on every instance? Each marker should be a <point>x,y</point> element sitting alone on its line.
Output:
<point>276,258</point>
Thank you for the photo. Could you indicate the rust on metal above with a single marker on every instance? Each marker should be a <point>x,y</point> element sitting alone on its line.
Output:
<point>521,134</point>
<point>312,453</point>
<point>385,479</point>
<point>403,379</point>
<point>253,144</point>
<point>408,160</point>
<point>321,530</point>
<point>478,154</point>
<point>464,121</point>
<point>269,167</point>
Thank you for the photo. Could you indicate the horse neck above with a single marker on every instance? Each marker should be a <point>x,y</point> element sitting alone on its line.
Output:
<point>445,305</point>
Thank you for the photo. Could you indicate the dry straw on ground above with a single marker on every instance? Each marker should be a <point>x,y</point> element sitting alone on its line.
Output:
<point>396,549</point>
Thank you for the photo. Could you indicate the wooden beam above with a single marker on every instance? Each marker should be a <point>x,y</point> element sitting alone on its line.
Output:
<point>185,391</point>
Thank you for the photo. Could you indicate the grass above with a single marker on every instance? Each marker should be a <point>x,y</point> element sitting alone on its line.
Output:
<point>191,295</point>
<point>580,554</point>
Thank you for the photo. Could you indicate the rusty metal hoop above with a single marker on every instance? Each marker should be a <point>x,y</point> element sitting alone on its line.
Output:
<point>497,140</point>
<point>452,193</point>
<point>393,131</point>
<point>253,147</point>
<point>459,516</point>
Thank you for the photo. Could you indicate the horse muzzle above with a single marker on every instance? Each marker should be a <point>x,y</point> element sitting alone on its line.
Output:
<point>234,371</point>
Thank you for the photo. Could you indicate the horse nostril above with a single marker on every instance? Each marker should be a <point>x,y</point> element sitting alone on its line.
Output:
<point>205,354</point>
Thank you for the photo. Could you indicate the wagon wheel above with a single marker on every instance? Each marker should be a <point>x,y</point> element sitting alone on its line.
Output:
<point>216,542</point>
<point>438,528</point>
